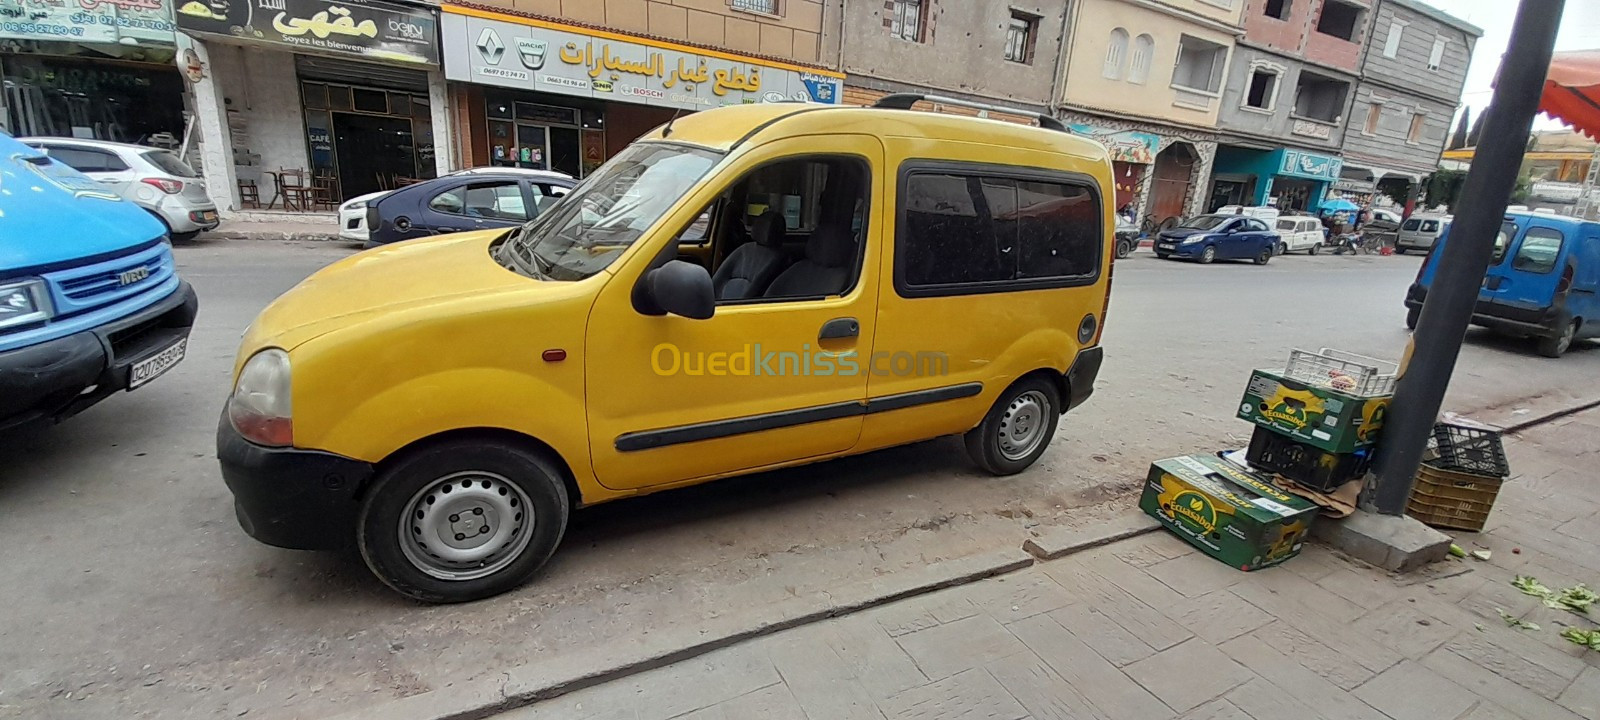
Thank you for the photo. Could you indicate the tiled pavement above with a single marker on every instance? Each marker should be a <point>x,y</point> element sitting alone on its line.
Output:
<point>1147,629</point>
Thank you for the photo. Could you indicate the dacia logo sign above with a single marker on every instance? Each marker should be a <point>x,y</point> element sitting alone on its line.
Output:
<point>132,276</point>
<point>1194,511</point>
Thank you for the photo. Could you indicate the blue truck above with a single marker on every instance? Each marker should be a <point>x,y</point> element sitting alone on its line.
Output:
<point>90,299</point>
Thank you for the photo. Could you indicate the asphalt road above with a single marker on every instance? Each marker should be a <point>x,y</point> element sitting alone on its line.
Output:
<point>130,591</point>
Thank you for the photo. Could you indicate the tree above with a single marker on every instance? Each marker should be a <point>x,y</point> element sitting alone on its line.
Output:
<point>1444,186</point>
<point>1477,128</point>
<point>1396,189</point>
<point>1459,139</point>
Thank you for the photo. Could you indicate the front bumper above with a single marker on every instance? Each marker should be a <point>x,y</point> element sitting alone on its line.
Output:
<point>1081,376</point>
<point>1543,322</point>
<point>288,497</point>
<point>1177,248</point>
<point>56,379</point>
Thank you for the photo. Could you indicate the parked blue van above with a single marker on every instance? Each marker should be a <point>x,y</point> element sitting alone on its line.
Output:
<point>1542,281</point>
<point>90,300</point>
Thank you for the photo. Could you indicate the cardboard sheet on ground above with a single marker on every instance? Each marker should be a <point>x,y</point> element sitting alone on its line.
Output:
<point>1339,503</point>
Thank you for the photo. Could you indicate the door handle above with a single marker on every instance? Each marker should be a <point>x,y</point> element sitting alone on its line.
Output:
<point>838,328</point>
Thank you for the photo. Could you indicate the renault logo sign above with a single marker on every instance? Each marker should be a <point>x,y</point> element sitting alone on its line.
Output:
<point>490,47</point>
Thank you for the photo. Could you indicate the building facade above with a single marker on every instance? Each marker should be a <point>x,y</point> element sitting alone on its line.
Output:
<point>347,99</point>
<point>1148,78</point>
<point>1412,73</point>
<point>100,70</point>
<point>566,84</point>
<point>1287,102</point>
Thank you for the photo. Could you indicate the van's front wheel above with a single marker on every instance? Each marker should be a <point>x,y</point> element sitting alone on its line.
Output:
<point>1017,429</point>
<point>462,521</point>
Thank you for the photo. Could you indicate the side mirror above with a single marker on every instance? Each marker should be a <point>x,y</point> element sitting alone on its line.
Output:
<point>680,288</point>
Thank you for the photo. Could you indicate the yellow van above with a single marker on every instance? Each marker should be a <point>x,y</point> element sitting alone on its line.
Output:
<point>742,289</point>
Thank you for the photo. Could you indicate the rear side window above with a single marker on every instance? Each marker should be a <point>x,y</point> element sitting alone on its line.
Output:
<point>1538,251</point>
<point>490,200</point>
<point>1502,241</point>
<point>1411,224</point>
<point>992,231</point>
<point>170,164</point>
<point>86,160</point>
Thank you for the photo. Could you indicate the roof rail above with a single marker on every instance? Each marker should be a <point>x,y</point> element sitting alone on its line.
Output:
<point>904,101</point>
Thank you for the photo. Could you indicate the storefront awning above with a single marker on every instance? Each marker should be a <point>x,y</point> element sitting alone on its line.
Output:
<point>374,30</point>
<point>1572,91</point>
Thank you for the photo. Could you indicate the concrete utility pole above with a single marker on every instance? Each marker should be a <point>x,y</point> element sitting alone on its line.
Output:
<point>1462,263</point>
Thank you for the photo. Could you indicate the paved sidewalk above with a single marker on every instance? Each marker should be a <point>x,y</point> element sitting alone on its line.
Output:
<point>1147,628</point>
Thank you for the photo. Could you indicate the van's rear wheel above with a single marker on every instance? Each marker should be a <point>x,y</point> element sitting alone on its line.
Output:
<point>1556,346</point>
<point>462,521</point>
<point>1315,249</point>
<point>1017,429</point>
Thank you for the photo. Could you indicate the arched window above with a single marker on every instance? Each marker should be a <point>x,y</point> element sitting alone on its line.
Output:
<point>1116,54</point>
<point>1144,50</point>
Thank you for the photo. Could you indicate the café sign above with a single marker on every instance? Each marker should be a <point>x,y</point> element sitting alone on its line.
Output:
<point>1129,146</point>
<point>509,51</point>
<point>369,28</point>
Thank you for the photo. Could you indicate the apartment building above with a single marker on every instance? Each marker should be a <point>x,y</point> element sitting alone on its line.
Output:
<point>1412,72</point>
<point>1287,102</point>
<point>1148,77</point>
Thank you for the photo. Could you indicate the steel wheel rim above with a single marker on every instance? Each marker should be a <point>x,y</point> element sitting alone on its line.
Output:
<point>1022,427</point>
<point>1208,253</point>
<point>1565,343</point>
<point>466,525</point>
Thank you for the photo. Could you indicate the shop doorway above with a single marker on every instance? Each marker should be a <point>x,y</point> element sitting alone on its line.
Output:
<point>1292,195</point>
<point>1230,192</point>
<point>371,149</point>
<point>536,136</point>
<point>1169,187</point>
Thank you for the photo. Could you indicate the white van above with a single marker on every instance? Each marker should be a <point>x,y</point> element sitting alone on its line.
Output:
<point>1299,232</point>
<point>1419,232</point>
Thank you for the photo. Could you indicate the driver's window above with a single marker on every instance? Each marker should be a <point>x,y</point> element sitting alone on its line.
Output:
<point>789,229</point>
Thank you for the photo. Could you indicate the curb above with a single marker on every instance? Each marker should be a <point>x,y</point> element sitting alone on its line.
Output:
<point>552,677</point>
<point>1548,417</point>
<point>329,235</point>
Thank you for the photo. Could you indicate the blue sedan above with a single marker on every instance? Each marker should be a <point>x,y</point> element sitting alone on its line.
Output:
<point>476,199</point>
<point>1219,237</point>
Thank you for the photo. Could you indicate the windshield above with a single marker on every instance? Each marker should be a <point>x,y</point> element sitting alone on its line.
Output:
<point>1205,222</point>
<point>595,222</point>
<point>170,164</point>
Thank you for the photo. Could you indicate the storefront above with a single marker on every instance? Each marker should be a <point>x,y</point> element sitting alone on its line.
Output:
<point>532,93</point>
<point>90,69</point>
<point>1291,180</point>
<point>1132,155</point>
<point>343,98</point>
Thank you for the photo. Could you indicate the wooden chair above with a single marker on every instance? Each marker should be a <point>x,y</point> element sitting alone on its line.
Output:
<point>249,194</point>
<point>292,188</point>
<point>384,183</point>
<point>325,189</point>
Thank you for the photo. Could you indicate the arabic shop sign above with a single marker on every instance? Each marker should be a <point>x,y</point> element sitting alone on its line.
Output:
<point>1296,163</point>
<point>1127,146</point>
<point>87,21</point>
<point>368,28</point>
<point>481,47</point>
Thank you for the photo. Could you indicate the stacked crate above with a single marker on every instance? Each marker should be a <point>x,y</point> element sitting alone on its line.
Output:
<point>1317,420</point>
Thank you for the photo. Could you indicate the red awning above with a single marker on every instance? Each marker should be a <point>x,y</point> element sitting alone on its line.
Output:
<point>1572,91</point>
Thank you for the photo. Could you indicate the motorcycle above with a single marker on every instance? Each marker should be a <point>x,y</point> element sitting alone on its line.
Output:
<point>1352,243</point>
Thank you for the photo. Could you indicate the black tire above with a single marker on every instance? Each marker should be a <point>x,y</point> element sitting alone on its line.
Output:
<point>984,442</point>
<point>1399,250</point>
<point>1208,254</point>
<point>1124,248</point>
<point>391,496</point>
<point>1556,346</point>
<point>184,237</point>
<point>1315,249</point>
<point>1163,256</point>
<point>1411,317</point>
<point>1265,256</point>
<point>1281,249</point>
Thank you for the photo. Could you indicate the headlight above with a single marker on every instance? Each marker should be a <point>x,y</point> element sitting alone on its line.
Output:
<point>1192,239</point>
<point>23,302</point>
<point>259,407</point>
<point>356,205</point>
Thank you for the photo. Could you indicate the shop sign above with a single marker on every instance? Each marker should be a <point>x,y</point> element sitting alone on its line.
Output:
<point>1127,146</point>
<point>87,21</point>
<point>1296,163</point>
<point>1360,187</point>
<point>492,49</point>
<point>366,28</point>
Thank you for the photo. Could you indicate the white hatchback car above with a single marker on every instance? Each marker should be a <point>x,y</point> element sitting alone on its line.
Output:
<point>353,212</point>
<point>151,178</point>
<point>1299,232</point>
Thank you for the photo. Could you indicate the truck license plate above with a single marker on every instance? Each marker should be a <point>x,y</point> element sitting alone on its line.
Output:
<point>151,368</point>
